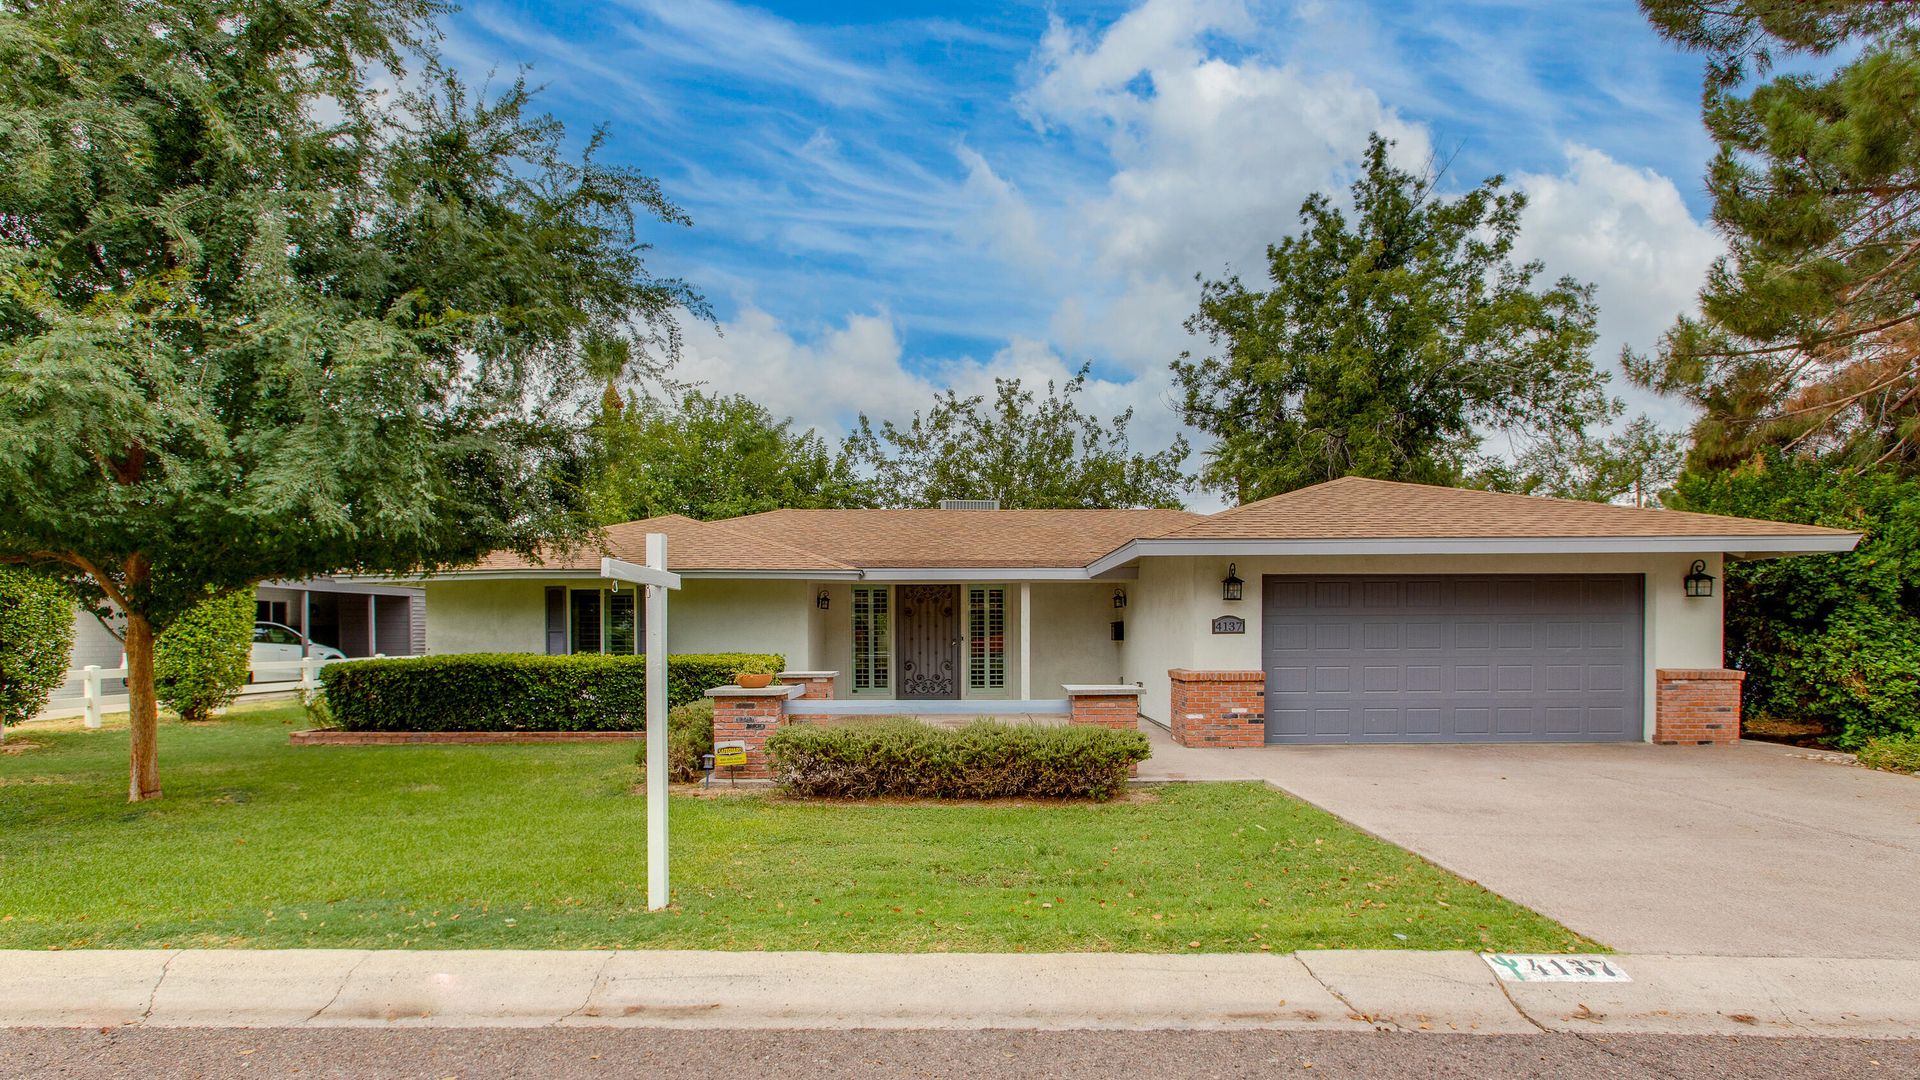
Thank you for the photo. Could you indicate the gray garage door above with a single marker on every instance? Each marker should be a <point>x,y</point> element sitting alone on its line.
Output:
<point>1467,658</point>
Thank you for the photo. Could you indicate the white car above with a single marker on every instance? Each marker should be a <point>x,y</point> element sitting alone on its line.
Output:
<point>276,644</point>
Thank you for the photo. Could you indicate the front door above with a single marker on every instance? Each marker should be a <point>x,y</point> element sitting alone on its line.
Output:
<point>927,638</point>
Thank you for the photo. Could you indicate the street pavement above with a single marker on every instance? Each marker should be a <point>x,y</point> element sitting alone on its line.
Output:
<point>479,1054</point>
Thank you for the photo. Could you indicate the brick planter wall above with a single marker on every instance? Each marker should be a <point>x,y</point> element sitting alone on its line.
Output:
<point>1108,707</point>
<point>1697,706</point>
<point>1219,708</point>
<point>748,716</point>
<point>815,686</point>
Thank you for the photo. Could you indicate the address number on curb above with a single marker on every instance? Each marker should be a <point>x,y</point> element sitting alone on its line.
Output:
<point>1549,968</point>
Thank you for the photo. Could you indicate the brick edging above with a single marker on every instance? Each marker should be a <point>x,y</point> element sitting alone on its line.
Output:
<point>330,737</point>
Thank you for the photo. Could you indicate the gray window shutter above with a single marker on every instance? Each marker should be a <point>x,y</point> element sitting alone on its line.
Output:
<point>556,621</point>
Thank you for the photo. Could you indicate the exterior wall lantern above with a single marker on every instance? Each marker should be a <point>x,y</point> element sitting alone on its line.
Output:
<point>821,601</point>
<point>1231,587</point>
<point>1699,582</point>
<point>1119,598</point>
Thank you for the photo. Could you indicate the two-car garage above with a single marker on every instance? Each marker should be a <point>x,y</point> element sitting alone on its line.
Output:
<point>1453,658</point>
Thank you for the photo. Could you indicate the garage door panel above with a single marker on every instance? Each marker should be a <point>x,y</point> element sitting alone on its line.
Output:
<point>1332,721</point>
<point>1453,658</point>
<point>1297,722</point>
<point>1288,680</point>
<point>1514,677</point>
<point>1286,637</point>
<point>1380,679</point>
<point>1473,721</point>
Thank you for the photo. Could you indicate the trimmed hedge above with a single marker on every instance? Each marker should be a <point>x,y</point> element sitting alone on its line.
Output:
<point>518,691</point>
<point>36,643</point>
<point>689,738</point>
<point>201,660</point>
<point>984,760</point>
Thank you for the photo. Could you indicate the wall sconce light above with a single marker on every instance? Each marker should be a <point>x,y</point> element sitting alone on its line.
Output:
<point>1699,582</point>
<point>1231,587</point>
<point>1119,598</point>
<point>821,601</point>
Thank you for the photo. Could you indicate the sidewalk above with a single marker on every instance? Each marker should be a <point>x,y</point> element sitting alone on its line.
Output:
<point>1309,991</point>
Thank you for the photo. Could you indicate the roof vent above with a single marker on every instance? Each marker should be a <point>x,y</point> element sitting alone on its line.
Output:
<point>969,504</point>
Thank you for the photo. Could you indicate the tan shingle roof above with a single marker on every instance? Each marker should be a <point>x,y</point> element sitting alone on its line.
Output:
<point>961,538</point>
<point>1357,508</point>
<point>691,545</point>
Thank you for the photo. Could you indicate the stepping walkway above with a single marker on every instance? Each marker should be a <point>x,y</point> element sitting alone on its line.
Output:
<point>1455,992</point>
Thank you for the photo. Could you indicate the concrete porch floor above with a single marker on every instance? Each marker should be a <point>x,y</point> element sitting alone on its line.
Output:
<point>948,720</point>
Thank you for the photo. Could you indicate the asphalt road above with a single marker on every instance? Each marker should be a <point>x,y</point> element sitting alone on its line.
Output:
<point>470,1054</point>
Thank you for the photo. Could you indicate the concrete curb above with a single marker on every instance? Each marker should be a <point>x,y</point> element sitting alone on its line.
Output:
<point>1447,992</point>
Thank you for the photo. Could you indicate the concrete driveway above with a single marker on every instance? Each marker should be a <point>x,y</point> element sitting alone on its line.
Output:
<point>1749,850</point>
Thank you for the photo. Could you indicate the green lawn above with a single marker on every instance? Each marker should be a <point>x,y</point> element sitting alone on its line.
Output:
<point>258,844</point>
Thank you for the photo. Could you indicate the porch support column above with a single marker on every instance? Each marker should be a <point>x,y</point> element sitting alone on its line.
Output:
<point>1026,641</point>
<point>306,623</point>
<point>373,625</point>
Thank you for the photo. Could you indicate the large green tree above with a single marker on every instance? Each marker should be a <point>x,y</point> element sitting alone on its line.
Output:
<point>1808,335</point>
<point>1832,638</point>
<point>1634,464</point>
<point>260,319</point>
<point>709,456</point>
<point>1392,338</point>
<point>1029,451</point>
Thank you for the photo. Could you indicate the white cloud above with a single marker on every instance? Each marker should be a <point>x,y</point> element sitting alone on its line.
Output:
<point>860,367</point>
<point>1627,230</point>
<point>825,383</point>
<point>1208,161</point>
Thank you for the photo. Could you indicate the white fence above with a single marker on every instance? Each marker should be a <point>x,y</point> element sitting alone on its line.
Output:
<point>92,691</point>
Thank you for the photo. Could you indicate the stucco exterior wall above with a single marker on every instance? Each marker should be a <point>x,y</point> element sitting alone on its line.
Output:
<point>703,616</point>
<point>1176,599</point>
<point>1072,635</point>
<point>488,616</point>
<point>741,616</point>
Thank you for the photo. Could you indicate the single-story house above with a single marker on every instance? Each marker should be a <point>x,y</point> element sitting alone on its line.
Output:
<point>1352,611</point>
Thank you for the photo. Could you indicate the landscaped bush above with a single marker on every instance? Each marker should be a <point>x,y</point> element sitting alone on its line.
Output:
<point>984,760</point>
<point>1894,753</point>
<point>1835,638</point>
<point>518,691</point>
<point>689,738</point>
<point>36,643</point>
<point>200,660</point>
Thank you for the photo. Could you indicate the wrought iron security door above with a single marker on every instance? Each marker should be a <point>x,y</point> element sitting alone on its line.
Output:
<point>927,625</point>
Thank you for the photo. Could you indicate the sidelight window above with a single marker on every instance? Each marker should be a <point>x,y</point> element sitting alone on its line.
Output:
<point>872,638</point>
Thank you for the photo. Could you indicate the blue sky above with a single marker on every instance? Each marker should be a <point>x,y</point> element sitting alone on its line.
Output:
<point>892,198</point>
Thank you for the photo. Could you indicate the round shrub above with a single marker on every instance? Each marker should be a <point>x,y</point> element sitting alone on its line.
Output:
<point>984,760</point>
<point>200,661</point>
<point>689,738</point>
<point>36,643</point>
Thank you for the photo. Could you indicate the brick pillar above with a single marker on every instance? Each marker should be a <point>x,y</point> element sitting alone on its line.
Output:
<point>1116,706</point>
<point>1219,708</point>
<point>748,717</point>
<point>814,686</point>
<point>1697,706</point>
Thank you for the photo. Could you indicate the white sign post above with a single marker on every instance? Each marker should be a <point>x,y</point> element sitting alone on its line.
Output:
<point>656,581</point>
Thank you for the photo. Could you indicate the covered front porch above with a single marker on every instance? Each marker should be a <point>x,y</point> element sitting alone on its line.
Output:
<point>958,648</point>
